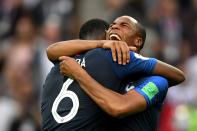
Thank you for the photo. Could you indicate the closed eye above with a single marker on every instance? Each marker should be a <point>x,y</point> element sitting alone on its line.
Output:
<point>124,24</point>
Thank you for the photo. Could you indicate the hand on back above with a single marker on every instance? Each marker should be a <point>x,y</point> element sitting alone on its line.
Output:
<point>69,67</point>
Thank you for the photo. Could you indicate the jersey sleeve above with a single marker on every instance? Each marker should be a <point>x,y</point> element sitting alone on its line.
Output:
<point>138,64</point>
<point>153,89</point>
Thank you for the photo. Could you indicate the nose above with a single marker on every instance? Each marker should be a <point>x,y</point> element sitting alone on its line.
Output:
<point>115,26</point>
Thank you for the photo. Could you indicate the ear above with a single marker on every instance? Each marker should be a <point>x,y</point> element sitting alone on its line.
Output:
<point>138,42</point>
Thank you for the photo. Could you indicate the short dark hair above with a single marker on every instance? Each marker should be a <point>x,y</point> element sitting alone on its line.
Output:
<point>93,29</point>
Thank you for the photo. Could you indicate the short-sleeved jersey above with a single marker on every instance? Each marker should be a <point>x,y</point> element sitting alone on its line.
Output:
<point>66,107</point>
<point>154,90</point>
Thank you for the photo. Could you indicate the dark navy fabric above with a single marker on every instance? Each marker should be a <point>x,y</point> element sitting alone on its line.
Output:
<point>98,63</point>
<point>146,120</point>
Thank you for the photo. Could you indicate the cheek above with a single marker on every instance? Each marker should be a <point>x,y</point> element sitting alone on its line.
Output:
<point>107,34</point>
<point>130,40</point>
<point>127,34</point>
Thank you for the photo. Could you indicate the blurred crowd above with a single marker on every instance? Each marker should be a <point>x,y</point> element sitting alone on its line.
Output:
<point>27,27</point>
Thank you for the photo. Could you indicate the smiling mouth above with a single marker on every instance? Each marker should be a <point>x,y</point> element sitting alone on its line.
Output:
<point>114,37</point>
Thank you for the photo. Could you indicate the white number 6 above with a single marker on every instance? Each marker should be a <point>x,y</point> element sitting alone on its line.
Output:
<point>63,94</point>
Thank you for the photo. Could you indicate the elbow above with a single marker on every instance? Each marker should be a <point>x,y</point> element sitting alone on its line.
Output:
<point>181,77</point>
<point>49,52</point>
<point>117,111</point>
<point>117,114</point>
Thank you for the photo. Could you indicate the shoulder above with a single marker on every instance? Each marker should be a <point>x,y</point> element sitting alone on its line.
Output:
<point>99,54</point>
<point>97,51</point>
<point>136,56</point>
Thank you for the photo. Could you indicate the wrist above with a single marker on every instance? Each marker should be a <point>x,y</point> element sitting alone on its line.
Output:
<point>79,74</point>
<point>82,77</point>
<point>100,44</point>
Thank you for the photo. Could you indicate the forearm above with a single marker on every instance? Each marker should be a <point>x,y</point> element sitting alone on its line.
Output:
<point>71,47</point>
<point>174,75</point>
<point>111,102</point>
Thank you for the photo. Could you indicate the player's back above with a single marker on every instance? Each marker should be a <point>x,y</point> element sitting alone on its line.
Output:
<point>65,106</point>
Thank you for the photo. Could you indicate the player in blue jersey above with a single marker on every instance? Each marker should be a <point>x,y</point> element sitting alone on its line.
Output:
<point>90,61</point>
<point>125,33</point>
<point>153,90</point>
<point>54,79</point>
<point>139,103</point>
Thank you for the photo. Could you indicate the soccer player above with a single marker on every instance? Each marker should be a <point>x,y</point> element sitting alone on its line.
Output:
<point>77,116</point>
<point>125,31</point>
<point>138,104</point>
<point>91,28</point>
<point>150,92</point>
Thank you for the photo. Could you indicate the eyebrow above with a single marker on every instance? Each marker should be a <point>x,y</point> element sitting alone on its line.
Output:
<point>113,23</point>
<point>125,23</point>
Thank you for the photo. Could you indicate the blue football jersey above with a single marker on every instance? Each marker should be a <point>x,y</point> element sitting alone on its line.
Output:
<point>154,90</point>
<point>66,107</point>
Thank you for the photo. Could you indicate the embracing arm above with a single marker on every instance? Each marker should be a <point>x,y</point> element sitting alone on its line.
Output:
<point>120,50</point>
<point>152,66</point>
<point>71,47</point>
<point>173,74</point>
<point>113,103</point>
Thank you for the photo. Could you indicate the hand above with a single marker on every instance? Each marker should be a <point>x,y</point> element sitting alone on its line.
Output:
<point>120,50</point>
<point>69,67</point>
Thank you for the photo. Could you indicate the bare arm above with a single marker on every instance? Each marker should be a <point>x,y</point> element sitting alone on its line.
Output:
<point>120,50</point>
<point>113,103</point>
<point>174,75</point>
<point>71,47</point>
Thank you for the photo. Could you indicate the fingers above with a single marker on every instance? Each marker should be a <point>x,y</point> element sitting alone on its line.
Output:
<point>66,68</point>
<point>119,53</point>
<point>62,67</point>
<point>132,48</point>
<point>128,56</point>
<point>125,54</point>
<point>113,50</point>
<point>61,58</point>
<point>70,68</point>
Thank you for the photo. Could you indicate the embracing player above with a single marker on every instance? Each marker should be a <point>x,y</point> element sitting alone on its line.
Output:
<point>98,64</point>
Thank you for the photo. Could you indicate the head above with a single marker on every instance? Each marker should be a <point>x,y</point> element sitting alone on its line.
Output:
<point>94,29</point>
<point>126,28</point>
